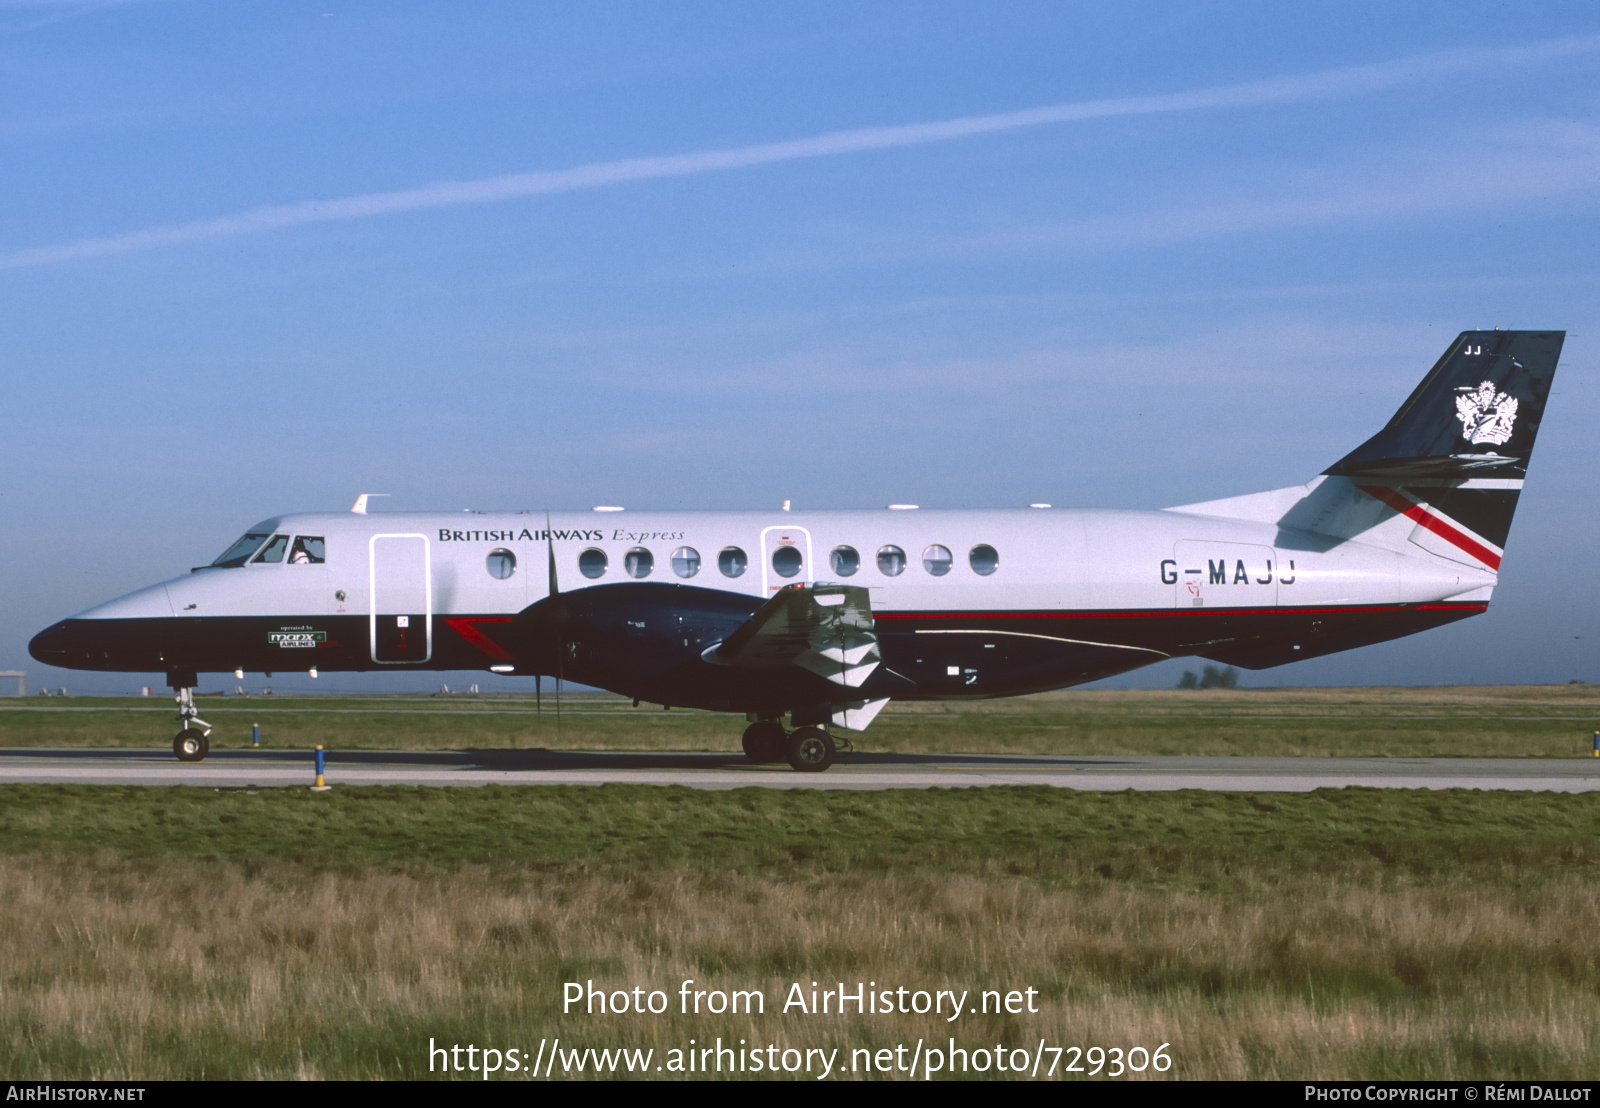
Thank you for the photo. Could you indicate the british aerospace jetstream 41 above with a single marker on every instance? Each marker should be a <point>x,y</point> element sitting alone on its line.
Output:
<point>824,617</point>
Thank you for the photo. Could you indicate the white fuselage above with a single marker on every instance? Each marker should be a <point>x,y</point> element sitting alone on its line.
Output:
<point>1043,560</point>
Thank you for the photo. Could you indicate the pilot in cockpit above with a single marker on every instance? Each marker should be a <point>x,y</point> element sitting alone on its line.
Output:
<point>307,550</point>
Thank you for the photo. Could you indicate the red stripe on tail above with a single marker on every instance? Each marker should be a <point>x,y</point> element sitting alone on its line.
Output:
<point>1412,510</point>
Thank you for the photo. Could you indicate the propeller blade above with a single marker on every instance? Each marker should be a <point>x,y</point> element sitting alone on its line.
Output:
<point>550,551</point>
<point>559,623</point>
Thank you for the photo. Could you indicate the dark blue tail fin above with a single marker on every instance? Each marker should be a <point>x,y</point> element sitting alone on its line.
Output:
<point>1454,456</point>
<point>1475,414</point>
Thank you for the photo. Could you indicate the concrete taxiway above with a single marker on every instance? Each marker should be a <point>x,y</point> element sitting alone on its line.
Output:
<point>279,769</point>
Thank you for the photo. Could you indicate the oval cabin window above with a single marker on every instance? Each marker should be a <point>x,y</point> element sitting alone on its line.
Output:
<point>592,563</point>
<point>787,560</point>
<point>638,562</point>
<point>984,559</point>
<point>732,561</point>
<point>686,561</point>
<point>501,564</point>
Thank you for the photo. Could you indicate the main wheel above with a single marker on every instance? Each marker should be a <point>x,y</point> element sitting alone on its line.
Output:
<point>765,741</point>
<point>191,745</point>
<point>811,750</point>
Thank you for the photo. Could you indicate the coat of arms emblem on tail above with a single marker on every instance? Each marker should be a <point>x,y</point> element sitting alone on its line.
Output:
<point>1486,414</point>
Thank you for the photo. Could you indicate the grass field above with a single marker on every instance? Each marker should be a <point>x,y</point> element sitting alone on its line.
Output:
<point>152,932</point>
<point>1504,721</point>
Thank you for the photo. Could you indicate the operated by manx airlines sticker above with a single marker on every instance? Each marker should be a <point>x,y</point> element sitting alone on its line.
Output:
<point>305,639</point>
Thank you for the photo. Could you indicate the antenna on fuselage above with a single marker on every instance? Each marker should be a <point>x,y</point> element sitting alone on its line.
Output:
<point>360,506</point>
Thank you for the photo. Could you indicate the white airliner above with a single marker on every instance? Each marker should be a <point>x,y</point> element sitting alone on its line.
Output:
<point>824,617</point>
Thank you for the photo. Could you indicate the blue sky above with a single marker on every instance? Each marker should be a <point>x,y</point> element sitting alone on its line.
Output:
<point>257,258</point>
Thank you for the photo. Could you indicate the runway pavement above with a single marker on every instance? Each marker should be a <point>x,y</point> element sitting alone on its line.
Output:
<point>279,769</point>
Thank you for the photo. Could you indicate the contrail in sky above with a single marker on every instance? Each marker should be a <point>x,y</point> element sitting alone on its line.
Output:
<point>1327,84</point>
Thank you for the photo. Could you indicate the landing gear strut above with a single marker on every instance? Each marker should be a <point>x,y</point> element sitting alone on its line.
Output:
<point>193,743</point>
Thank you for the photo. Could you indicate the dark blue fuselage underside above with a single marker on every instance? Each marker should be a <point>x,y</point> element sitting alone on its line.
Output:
<point>656,653</point>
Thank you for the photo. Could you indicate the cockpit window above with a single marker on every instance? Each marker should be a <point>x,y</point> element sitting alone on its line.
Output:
<point>273,551</point>
<point>237,554</point>
<point>308,550</point>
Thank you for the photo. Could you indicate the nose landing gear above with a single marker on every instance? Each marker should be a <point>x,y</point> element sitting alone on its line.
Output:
<point>193,743</point>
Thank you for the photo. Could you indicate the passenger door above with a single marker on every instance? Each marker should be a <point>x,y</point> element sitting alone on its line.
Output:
<point>785,558</point>
<point>400,615</point>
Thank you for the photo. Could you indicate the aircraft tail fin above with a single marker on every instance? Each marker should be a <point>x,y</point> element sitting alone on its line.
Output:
<point>1453,458</point>
<point>1445,472</point>
<point>1475,414</point>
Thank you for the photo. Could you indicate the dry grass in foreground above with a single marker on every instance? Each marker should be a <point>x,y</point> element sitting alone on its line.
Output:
<point>174,968</point>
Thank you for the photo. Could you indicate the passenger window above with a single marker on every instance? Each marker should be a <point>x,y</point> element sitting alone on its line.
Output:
<point>845,561</point>
<point>937,559</point>
<point>307,551</point>
<point>638,562</point>
<point>592,563</point>
<point>984,559</point>
<point>273,551</point>
<point>732,561</point>
<point>686,561</point>
<point>891,561</point>
<point>501,564</point>
<point>786,561</point>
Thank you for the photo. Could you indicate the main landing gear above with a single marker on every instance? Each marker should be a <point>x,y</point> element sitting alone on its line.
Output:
<point>193,743</point>
<point>807,749</point>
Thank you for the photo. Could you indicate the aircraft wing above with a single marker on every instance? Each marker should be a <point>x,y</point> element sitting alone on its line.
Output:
<point>826,629</point>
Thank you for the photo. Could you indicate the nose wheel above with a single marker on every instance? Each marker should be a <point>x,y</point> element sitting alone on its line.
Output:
<point>193,743</point>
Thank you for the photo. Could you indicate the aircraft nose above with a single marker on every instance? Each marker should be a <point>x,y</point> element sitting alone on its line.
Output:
<point>52,645</point>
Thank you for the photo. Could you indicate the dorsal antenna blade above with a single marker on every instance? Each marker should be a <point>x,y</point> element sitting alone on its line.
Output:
<point>360,506</point>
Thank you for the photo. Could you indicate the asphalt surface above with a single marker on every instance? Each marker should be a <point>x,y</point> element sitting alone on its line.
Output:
<point>279,768</point>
